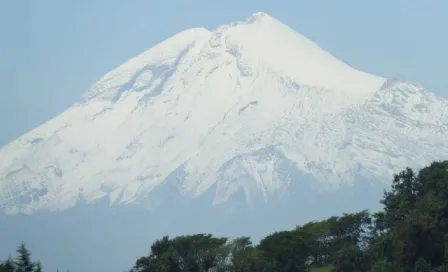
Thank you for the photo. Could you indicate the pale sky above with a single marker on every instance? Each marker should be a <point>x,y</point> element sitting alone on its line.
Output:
<point>52,50</point>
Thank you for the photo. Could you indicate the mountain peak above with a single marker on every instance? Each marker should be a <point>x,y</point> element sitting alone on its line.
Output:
<point>263,38</point>
<point>260,41</point>
<point>259,17</point>
<point>223,108</point>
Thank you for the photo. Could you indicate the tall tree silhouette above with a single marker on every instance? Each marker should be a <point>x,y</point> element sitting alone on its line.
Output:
<point>23,262</point>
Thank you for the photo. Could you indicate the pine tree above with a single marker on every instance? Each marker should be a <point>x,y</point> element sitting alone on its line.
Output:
<point>7,266</point>
<point>38,266</point>
<point>23,262</point>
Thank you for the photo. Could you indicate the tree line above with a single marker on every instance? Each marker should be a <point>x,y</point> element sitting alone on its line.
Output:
<point>22,263</point>
<point>410,234</point>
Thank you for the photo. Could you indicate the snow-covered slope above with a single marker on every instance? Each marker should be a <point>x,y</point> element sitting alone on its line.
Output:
<point>218,109</point>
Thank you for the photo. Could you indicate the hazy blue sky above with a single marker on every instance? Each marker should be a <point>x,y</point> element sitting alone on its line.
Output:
<point>52,51</point>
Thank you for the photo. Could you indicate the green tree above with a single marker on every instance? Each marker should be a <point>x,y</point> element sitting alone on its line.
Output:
<point>288,251</point>
<point>23,262</point>
<point>251,259</point>
<point>7,266</point>
<point>411,230</point>
<point>384,266</point>
<point>38,267</point>
<point>243,256</point>
<point>318,234</point>
<point>195,253</point>
<point>350,258</point>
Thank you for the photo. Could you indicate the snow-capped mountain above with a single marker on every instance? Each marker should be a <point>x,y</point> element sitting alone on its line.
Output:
<point>220,111</point>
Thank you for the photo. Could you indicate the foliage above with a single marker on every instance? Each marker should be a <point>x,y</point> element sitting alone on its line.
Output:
<point>22,263</point>
<point>409,234</point>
